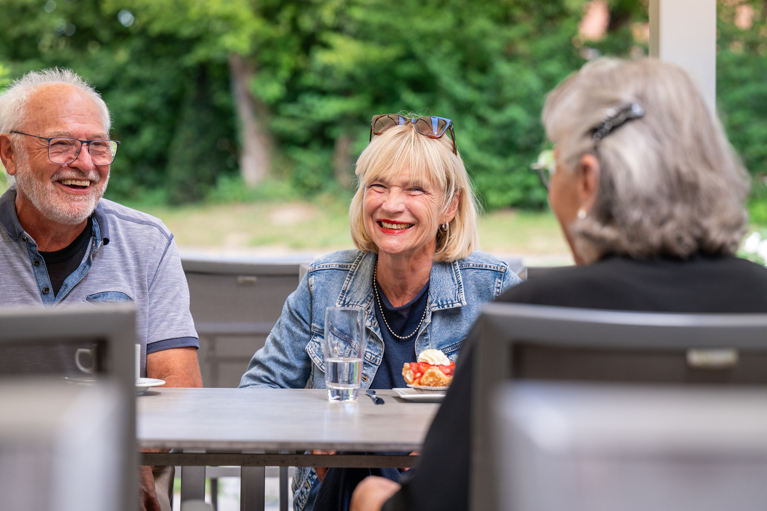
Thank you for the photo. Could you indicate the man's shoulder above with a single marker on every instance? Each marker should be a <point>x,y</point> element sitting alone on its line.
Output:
<point>123,218</point>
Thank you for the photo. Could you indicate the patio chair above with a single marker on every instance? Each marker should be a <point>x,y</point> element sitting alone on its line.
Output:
<point>597,447</point>
<point>526,342</point>
<point>235,304</point>
<point>70,430</point>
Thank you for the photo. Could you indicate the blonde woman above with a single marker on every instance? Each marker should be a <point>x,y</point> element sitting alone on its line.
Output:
<point>415,270</point>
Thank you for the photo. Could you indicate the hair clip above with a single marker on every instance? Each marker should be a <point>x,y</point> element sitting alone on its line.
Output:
<point>615,118</point>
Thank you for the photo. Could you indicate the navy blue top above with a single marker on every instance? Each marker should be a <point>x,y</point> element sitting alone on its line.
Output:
<point>402,320</point>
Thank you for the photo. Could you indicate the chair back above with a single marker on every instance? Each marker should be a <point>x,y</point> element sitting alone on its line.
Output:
<point>597,447</point>
<point>67,395</point>
<point>517,341</point>
<point>235,305</point>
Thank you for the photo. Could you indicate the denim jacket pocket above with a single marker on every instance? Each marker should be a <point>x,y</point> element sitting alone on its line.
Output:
<point>314,350</point>
<point>108,297</point>
<point>452,351</point>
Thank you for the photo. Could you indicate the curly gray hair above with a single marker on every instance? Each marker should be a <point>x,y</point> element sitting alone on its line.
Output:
<point>669,182</point>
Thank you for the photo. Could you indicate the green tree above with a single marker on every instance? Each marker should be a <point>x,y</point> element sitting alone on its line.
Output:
<point>144,78</point>
<point>741,93</point>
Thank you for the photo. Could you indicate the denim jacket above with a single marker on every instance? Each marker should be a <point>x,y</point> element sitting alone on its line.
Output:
<point>292,356</point>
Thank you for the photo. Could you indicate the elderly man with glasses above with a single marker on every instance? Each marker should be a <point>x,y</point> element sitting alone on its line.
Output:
<point>61,243</point>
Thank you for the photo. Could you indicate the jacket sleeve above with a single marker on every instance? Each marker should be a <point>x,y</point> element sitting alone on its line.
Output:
<point>508,280</point>
<point>283,362</point>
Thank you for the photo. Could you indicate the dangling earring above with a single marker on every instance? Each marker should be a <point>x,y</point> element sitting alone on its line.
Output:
<point>581,214</point>
<point>444,227</point>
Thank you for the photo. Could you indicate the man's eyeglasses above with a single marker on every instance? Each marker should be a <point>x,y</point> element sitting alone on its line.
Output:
<point>432,127</point>
<point>64,150</point>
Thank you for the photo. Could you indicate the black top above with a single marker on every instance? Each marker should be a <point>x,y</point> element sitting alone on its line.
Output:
<point>61,263</point>
<point>699,284</point>
<point>403,321</point>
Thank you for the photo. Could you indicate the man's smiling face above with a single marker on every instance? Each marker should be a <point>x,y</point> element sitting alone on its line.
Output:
<point>62,193</point>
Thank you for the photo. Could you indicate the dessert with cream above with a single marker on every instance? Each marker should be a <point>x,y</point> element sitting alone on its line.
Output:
<point>433,369</point>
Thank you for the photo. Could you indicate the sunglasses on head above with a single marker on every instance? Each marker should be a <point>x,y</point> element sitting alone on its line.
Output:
<point>429,126</point>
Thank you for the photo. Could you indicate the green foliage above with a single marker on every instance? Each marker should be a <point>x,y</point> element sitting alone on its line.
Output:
<point>324,67</point>
<point>740,88</point>
<point>147,79</point>
<point>742,97</point>
<point>486,65</point>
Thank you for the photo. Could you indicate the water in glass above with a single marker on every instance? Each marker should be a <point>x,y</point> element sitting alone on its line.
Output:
<point>343,348</point>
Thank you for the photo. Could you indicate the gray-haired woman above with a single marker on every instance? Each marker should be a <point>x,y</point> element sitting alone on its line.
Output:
<point>650,198</point>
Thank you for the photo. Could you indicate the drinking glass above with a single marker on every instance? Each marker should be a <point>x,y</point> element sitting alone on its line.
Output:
<point>344,348</point>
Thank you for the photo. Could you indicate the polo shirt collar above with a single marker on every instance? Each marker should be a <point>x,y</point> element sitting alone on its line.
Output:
<point>8,217</point>
<point>10,221</point>
<point>102,229</point>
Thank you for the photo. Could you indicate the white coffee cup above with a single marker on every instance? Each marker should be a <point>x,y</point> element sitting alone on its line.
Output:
<point>80,366</point>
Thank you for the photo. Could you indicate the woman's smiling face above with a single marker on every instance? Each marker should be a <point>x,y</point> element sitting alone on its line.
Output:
<point>402,217</point>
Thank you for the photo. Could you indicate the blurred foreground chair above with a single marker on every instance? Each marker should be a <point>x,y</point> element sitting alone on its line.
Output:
<point>235,304</point>
<point>594,447</point>
<point>526,342</point>
<point>67,408</point>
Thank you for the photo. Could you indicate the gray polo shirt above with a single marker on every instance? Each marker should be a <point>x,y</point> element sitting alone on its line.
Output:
<point>131,257</point>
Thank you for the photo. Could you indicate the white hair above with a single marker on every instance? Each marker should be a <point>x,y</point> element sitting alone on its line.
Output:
<point>669,183</point>
<point>13,102</point>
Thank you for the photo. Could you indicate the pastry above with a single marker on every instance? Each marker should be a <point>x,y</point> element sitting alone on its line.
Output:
<point>433,369</point>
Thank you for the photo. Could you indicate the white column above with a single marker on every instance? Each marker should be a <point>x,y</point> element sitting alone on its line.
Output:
<point>684,32</point>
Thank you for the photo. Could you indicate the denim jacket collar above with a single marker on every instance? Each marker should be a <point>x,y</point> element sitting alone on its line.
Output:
<point>445,289</point>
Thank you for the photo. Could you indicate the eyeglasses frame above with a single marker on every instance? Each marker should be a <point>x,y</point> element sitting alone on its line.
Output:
<point>77,155</point>
<point>412,120</point>
<point>545,162</point>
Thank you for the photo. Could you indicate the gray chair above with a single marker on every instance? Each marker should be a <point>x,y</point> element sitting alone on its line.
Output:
<point>579,345</point>
<point>73,429</point>
<point>597,447</point>
<point>235,304</point>
<point>533,272</point>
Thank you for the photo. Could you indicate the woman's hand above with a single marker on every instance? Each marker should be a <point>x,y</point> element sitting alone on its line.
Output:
<point>321,471</point>
<point>372,492</point>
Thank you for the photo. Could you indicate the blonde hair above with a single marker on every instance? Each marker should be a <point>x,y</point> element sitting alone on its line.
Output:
<point>669,182</point>
<point>399,149</point>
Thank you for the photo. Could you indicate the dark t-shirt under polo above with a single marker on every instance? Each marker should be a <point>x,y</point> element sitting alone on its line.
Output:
<point>61,263</point>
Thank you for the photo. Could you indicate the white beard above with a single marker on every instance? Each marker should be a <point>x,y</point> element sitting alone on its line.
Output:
<point>65,210</point>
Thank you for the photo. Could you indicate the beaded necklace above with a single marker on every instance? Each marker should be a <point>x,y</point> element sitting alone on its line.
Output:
<point>378,299</point>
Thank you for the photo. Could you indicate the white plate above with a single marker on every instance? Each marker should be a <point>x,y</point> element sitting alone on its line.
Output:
<point>422,396</point>
<point>81,381</point>
<point>428,388</point>
<point>143,384</point>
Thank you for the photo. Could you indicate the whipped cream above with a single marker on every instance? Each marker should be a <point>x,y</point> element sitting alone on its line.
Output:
<point>433,357</point>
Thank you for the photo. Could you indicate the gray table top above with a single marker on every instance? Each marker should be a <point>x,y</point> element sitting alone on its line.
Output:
<point>278,419</point>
